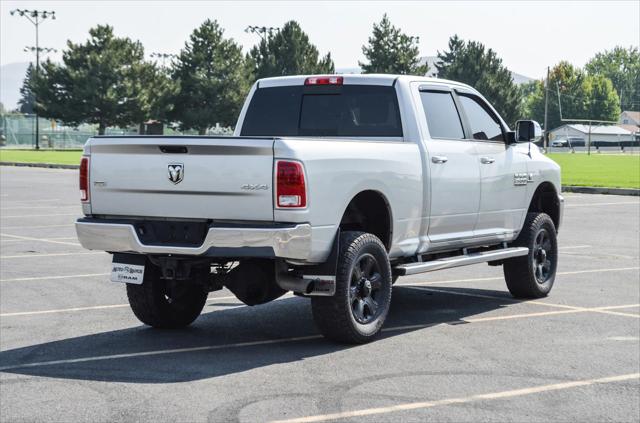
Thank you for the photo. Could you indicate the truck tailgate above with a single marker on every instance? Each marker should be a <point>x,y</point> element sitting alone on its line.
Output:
<point>182,177</point>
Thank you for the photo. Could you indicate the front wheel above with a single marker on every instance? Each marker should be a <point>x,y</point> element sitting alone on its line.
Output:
<point>161,304</point>
<point>533,275</point>
<point>357,311</point>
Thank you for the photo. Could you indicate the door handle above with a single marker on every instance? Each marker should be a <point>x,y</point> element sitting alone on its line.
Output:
<point>487,160</point>
<point>439,159</point>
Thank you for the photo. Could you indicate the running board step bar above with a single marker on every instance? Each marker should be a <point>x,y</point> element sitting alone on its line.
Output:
<point>457,261</point>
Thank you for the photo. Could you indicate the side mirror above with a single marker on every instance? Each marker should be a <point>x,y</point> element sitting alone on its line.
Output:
<point>528,130</point>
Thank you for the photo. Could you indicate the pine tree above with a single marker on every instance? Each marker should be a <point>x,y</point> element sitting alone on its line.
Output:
<point>211,80</point>
<point>27,99</point>
<point>99,82</point>
<point>288,52</point>
<point>473,64</point>
<point>391,51</point>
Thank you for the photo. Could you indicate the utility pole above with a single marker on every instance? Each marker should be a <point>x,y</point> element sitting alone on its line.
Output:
<point>38,50</point>
<point>546,111</point>
<point>36,17</point>
<point>589,147</point>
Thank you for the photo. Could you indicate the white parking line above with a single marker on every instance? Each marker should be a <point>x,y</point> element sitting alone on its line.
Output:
<point>31,201</point>
<point>462,400</point>
<point>80,253</point>
<point>40,207</point>
<point>573,247</point>
<point>603,310</point>
<point>28,238</point>
<point>40,215</point>
<point>162,352</point>
<point>100,307</point>
<point>36,226</point>
<point>603,204</point>
<point>62,310</point>
<point>44,278</point>
<point>570,309</point>
<point>615,269</point>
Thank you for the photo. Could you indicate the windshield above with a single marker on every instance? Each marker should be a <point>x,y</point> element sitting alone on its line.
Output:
<point>335,111</point>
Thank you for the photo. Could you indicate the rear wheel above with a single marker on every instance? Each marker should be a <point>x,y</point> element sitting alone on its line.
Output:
<point>533,275</point>
<point>357,311</point>
<point>163,304</point>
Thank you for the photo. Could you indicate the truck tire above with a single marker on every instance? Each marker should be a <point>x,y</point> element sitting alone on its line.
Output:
<point>357,311</point>
<point>532,276</point>
<point>154,304</point>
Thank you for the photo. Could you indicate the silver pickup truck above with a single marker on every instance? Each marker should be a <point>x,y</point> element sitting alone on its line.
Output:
<point>332,187</point>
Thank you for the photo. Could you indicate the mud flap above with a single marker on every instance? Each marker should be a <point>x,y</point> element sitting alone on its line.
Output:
<point>315,280</point>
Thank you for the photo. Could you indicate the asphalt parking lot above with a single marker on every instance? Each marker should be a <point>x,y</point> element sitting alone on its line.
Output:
<point>456,346</point>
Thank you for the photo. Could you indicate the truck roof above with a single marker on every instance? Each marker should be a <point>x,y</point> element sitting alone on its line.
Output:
<point>357,79</point>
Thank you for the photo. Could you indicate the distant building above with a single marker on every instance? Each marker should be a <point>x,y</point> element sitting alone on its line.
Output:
<point>630,118</point>
<point>630,121</point>
<point>599,134</point>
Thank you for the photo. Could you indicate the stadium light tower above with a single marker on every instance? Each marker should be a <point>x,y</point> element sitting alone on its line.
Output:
<point>262,31</point>
<point>36,17</point>
<point>163,56</point>
<point>34,49</point>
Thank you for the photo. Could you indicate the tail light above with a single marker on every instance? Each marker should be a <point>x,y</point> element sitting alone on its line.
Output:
<point>84,179</point>
<point>324,80</point>
<point>291,189</point>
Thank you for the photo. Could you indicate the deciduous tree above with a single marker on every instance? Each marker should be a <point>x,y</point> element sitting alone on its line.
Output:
<point>622,66</point>
<point>581,96</point>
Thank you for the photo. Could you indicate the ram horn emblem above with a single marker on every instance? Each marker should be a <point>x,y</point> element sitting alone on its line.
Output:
<point>176,172</point>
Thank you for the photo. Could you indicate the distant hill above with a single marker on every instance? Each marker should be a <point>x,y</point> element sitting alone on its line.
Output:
<point>11,78</point>
<point>431,61</point>
<point>433,72</point>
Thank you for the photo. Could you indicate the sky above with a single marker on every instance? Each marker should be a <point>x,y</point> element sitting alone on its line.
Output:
<point>528,36</point>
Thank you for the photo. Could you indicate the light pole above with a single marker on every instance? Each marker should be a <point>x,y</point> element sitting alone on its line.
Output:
<point>262,31</point>
<point>33,49</point>
<point>164,56</point>
<point>36,17</point>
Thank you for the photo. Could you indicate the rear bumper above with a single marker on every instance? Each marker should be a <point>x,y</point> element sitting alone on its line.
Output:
<point>292,242</point>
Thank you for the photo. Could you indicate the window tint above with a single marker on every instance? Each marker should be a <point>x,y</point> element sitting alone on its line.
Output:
<point>442,116</point>
<point>273,112</point>
<point>484,125</point>
<point>341,111</point>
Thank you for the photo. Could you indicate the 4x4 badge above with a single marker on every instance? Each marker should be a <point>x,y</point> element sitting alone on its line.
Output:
<point>176,172</point>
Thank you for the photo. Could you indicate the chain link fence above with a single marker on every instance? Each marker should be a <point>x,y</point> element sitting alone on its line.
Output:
<point>19,131</point>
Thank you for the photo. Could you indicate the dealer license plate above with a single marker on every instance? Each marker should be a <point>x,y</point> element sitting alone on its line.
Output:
<point>127,269</point>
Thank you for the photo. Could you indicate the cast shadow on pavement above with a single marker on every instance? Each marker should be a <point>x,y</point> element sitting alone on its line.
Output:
<point>105,356</point>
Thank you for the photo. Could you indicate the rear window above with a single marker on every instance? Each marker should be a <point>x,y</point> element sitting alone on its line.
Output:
<point>332,111</point>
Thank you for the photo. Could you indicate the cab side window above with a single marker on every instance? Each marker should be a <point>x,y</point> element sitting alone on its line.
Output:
<point>484,125</point>
<point>442,115</point>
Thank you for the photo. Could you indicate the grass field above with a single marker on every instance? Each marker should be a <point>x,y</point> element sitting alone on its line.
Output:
<point>599,170</point>
<point>42,156</point>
